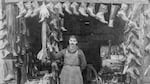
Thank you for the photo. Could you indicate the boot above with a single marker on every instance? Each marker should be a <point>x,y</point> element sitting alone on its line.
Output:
<point>63,29</point>
<point>74,6</point>
<point>4,53</point>
<point>111,23</point>
<point>133,24</point>
<point>100,15</point>
<point>112,15</point>
<point>36,10</point>
<point>59,7</point>
<point>3,37</point>
<point>136,33</point>
<point>55,46</point>
<point>14,52</point>
<point>3,24</point>
<point>137,52</point>
<point>29,9</point>
<point>49,46</point>
<point>44,12</point>
<point>122,12</point>
<point>147,48</point>
<point>50,6</point>
<point>3,34</point>
<point>9,56</point>
<point>2,15</point>
<point>91,9</point>
<point>82,9</point>
<point>9,77</point>
<point>66,5</point>
<point>137,42</point>
<point>148,35</point>
<point>60,36</point>
<point>55,34</point>
<point>22,10</point>
<point>129,39</point>
<point>3,44</point>
<point>62,25</point>
<point>54,23</point>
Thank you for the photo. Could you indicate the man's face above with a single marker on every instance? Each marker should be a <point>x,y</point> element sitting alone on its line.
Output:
<point>73,41</point>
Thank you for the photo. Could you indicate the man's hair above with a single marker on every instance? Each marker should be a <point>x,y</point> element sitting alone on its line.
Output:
<point>73,36</point>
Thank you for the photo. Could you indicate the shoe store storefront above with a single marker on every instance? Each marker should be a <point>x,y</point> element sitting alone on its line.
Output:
<point>111,38</point>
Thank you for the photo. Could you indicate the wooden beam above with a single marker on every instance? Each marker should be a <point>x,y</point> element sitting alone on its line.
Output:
<point>2,4</point>
<point>93,1</point>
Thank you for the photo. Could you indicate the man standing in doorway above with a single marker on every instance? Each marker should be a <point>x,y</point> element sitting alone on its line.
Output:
<point>74,63</point>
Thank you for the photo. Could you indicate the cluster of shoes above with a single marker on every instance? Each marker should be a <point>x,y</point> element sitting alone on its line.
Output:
<point>32,8</point>
<point>4,53</point>
<point>134,39</point>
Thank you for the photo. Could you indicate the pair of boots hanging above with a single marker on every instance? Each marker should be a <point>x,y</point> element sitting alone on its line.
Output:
<point>32,9</point>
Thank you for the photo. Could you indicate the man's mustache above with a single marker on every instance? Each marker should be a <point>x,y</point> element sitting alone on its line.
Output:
<point>72,43</point>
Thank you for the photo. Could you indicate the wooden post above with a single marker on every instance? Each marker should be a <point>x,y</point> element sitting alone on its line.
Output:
<point>3,70</point>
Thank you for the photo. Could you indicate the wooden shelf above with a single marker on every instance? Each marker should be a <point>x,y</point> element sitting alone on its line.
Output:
<point>93,1</point>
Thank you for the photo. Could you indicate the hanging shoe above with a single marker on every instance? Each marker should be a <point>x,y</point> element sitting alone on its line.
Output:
<point>60,36</point>
<point>3,34</point>
<point>3,24</point>
<point>100,14</point>
<point>146,41</point>
<point>133,24</point>
<point>14,52</point>
<point>137,43</point>
<point>50,6</point>
<point>148,35</point>
<point>9,56</point>
<point>2,15</point>
<point>137,61</point>
<point>82,9</point>
<point>111,23</point>
<point>3,44</point>
<point>137,52</point>
<point>54,34</point>
<point>55,46</point>
<point>147,48</point>
<point>66,5</point>
<point>4,53</point>
<point>49,46</point>
<point>59,8</point>
<point>28,5</point>
<point>74,7</point>
<point>9,77</point>
<point>62,25</point>
<point>129,38</point>
<point>129,58</point>
<point>132,72</point>
<point>3,37</point>
<point>36,7</point>
<point>63,29</point>
<point>54,23</point>
<point>112,15</point>
<point>122,12</point>
<point>22,10</point>
<point>91,9</point>
<point>44,12</point>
